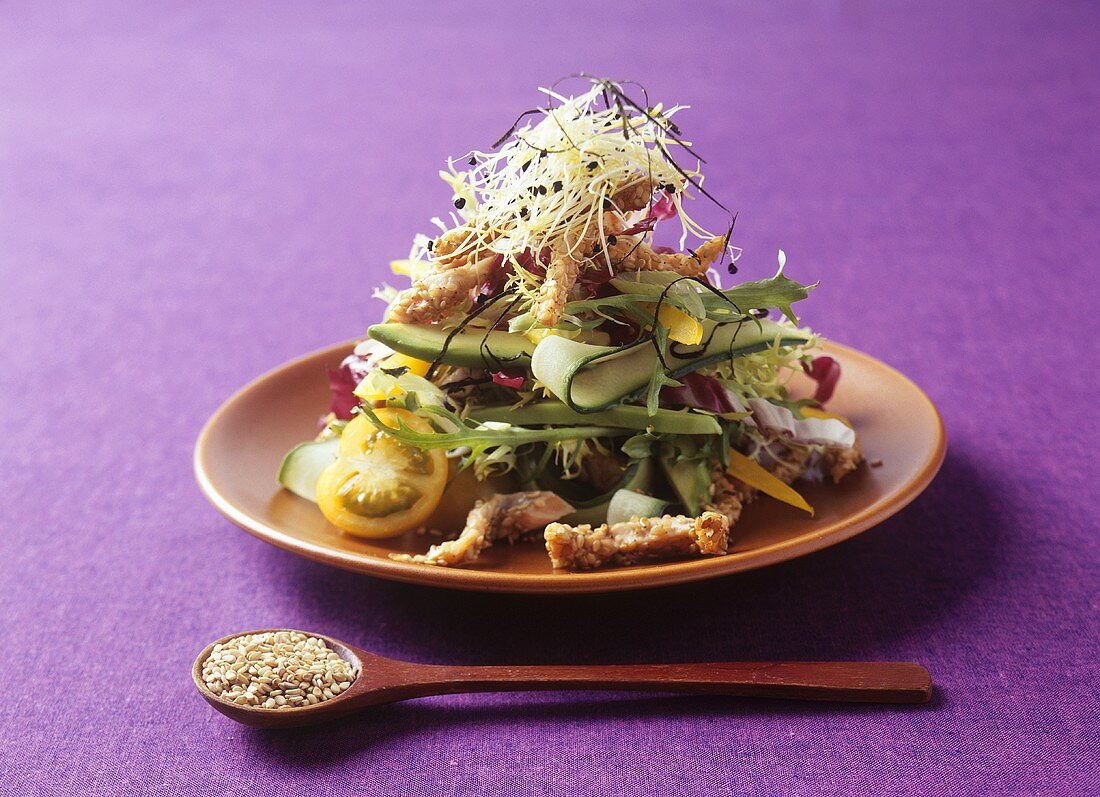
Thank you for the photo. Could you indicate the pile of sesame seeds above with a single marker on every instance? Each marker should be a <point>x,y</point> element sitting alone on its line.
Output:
<point>276,669</point>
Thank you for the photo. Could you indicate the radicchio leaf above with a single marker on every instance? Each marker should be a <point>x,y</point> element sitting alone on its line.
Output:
<point>826,372</point>
<point>342,383</point>
<point>498,275</point>
<point>594,277</point>
<point>664,208</point>
<point>644,225</point>
<point>507,380</point>
<point>701,392</point>
<point>527,261</point>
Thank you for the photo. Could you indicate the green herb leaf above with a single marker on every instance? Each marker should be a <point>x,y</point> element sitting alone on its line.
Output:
<point>639,446</point>
<point>660,376</point>
<point>779,292</point>
<point>656,382</point>
<point>454,432</point>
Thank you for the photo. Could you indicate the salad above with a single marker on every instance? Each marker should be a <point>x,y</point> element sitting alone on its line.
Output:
<point>552,373</point>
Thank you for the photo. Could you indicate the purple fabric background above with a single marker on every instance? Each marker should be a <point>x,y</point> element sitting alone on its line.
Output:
<point>192,195</point>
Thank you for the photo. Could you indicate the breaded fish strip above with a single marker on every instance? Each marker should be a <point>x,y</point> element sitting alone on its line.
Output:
<point>502,517</point>
<point>561,276</point>
<point>461,245</point>
<point>435,294</point>
<point>565,267</point>
<point>628,254</point>
<point>636,540</point>
<point>730,495</point>
<point>633,197</point>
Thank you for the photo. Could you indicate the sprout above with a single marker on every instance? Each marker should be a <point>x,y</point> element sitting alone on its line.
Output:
<point>559,169</point>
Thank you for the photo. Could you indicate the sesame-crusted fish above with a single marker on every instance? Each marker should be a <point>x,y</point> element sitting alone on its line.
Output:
<point>633,197</point>
<point>637,540</point>
<point>437,293</point>
<point>502,517</point>
<point>630,254</point>
<point>568,257</point>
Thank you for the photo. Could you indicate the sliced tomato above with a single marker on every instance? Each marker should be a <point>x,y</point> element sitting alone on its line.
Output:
<point>378,486</point>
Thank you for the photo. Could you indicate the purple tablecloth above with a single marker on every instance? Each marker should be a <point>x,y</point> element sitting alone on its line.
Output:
<point>192,195</point>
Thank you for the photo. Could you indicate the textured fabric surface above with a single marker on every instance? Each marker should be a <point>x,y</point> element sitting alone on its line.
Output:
<point>191,194</point>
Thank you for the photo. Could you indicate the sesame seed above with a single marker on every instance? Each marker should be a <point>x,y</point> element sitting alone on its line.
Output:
<point>275,670</point>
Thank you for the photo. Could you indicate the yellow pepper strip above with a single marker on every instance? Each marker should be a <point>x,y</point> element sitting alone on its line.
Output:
<point>412,269</point>
<point>743,468</point>
<point>398,360</point>
<point>814,412</point>
<point>682,328</point>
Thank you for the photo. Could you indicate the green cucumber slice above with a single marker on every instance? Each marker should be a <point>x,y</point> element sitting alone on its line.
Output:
<point>591,378</point>
<point>302,467</point>
<point>471,348</point>
<point>565,367</point>
<point>627,416</point>
<point>628,504</point>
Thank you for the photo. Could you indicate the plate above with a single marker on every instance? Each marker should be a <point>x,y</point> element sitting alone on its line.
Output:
<point>241,447</point>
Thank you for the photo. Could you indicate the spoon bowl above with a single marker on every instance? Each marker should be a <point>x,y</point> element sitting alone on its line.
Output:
<point>381,680</point>
<point>373,684</point>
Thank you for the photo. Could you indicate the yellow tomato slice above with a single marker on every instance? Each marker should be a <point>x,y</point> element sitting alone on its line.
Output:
<point>378,486</point>
<point>745,469</point>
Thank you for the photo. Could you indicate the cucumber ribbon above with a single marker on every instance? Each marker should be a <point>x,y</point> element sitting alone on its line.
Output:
<point>590,378</point>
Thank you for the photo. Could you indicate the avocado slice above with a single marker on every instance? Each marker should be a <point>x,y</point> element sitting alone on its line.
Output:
<point>471,348</point>
<point>690,480</point>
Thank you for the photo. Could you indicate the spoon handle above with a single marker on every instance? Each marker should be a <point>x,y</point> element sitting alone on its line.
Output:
<point>867,682</point>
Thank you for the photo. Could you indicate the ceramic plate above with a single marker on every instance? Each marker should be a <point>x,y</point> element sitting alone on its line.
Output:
<point>241,447</point>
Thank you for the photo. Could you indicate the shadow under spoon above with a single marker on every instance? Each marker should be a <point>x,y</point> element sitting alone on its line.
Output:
<point>382,680</point>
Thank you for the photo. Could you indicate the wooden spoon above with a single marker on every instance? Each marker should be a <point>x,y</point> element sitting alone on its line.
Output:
<point>383,680</point>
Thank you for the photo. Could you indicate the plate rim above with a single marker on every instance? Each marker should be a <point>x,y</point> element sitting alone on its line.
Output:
<point>611,580</point>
